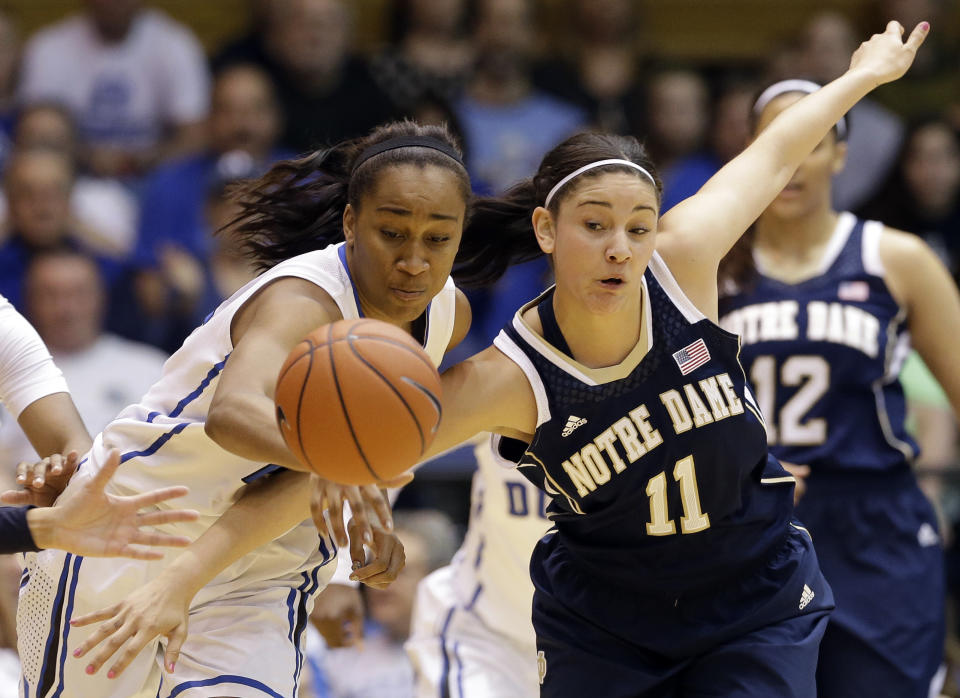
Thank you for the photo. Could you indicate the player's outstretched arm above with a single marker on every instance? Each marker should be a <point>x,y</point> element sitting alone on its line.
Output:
<point>88,521</point>
<point>699,231</point>
<point>160,608</point>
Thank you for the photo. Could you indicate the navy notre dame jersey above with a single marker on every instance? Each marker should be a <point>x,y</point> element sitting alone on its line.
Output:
<point>823,357</point>
<point>657,468</point>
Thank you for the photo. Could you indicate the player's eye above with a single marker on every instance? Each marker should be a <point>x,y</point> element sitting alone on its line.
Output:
<point>594,225</point>
<point>390,234</point>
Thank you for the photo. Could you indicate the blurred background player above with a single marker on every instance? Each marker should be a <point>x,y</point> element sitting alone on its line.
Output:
<point>826,324</point>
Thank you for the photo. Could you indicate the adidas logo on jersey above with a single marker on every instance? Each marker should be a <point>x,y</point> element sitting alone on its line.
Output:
<point>572,424</point>
<point>806,597</point>
<point>927,537</point>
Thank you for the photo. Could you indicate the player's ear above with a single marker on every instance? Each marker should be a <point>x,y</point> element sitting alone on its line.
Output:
<point>349,221</point>
<point>544,229</point>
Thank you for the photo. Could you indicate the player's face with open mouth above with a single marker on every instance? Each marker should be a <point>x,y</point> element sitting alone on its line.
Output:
<point>604,239</point>
<point>402,239</point>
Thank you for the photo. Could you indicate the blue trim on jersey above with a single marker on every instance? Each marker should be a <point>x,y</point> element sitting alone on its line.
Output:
<point>157,444</point>
<point>473,599</point>
<point>222,679</point>
<point>24,580</point>
<point>268,469</point>
<point>26,687</point>
<point>198,391</point>
<point>342,253</point>
<point>55,613</point>
<point>479,559</point>
<point>456,656</point>
<point>152,416</point>
<point>77,561</point>
<point>445,671</point>
<point>302,621</point>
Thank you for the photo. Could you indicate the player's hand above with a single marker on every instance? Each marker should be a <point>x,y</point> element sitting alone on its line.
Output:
<point>42,481</point>
<point>385,561</point>
<point>800,473</point>
<point>159,608</point>
<point>367,503</point>
<point>886,57</point>
<point>88,521</point>
<point>338,615</point>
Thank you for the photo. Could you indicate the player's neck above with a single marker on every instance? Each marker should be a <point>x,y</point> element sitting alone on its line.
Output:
<point>596,340</point>
<point>795,239</point>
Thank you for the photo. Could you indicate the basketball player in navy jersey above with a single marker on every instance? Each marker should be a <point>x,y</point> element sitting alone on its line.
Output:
<point>826,322</point>
<point>674,568</point>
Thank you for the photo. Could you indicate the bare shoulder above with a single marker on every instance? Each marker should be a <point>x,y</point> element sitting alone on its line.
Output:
<point>462,319</point>
<point>286,301</point>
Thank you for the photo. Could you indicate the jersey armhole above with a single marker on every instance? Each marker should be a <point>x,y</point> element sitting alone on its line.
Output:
<point>668,283</point>
<point>513,352</point>
<point>872,263</point>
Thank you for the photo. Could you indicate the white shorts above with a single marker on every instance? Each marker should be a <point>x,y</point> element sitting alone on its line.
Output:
<point>455,654</point>
<point>245,637</point>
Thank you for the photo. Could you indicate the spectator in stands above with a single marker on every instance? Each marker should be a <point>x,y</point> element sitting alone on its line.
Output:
<point>38,185</point>
<point>381,667</point>
<point>923,194</point>
<point>876,133</point>
<point>728,133</point>
<point>135,80</point>
<point>105,209</point>
<point>65,300</point>
<point>326,93</point>
<point>9,57</point>
<point>600,64</point>
<point>250,47</point>
<point>678,114</point>
<point>508,125</point>
<point>430,53</point>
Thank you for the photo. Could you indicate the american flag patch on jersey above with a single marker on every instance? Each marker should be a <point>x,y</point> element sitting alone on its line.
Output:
<point>692,356</point>
<point>853,291</point>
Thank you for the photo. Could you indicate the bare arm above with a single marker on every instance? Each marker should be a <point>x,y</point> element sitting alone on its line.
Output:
<point>242,415</point>
<point>921,284</point>
<point>699,231</point>
<point>53,425</point>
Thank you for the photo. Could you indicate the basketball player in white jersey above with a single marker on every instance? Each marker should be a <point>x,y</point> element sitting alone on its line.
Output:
<point>398,198</point>
<point>471,633</point>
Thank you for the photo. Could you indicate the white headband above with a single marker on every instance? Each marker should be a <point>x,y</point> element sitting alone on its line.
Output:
<point>599,163</point>
<point>786,86</point>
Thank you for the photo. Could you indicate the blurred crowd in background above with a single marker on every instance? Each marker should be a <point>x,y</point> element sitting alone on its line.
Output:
<point>120,137</point>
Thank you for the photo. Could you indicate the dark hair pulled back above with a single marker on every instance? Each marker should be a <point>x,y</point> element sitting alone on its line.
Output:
<point>504,223</point>
<point>297,206</point>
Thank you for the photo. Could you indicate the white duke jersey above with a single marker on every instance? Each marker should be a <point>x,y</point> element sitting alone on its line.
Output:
<point>162,438</point>
<point>491,571</point>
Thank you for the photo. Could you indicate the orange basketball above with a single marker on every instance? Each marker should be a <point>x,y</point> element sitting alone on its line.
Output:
<point>358,401</point>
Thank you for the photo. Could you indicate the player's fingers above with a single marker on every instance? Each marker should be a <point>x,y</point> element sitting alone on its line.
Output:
<point>39,474</point>
<point>360,520</point>
<point>106,472</point>
<point>56,464</point>
<point>22,469</point>
<point>150,498</point>
<point>95,617</point>
<point>335,508</point>
<point>155,518</point>
<point>398,481</point>
<point>381,505</point>
<point>175,641</point>
<point>109,647</point>
<point>382,575</point>
<point>136,552</point>
<point>155,538</point>
<point>357,553</point>
<point>918,36</point>
<point>894,27</point>
<point>17,497</point>
<point>317,514</point>
<point>133,648</point>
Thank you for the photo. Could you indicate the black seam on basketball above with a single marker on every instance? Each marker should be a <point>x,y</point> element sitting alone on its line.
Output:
<point>303,389</point>
<point>413,416</point>
<point>434,400</point>
<point>343,407</point>
<point>292,363</point>
<point>418,352</point>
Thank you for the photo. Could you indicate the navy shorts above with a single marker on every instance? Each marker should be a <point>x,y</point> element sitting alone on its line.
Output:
<point>751,637</point>
<point>879,547</point>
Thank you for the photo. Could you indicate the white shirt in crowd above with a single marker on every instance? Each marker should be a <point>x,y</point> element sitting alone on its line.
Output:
<point>122,94</point>
<point>103,379</point>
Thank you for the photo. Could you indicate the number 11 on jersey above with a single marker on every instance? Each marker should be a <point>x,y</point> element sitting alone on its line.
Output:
<point>693,519</point>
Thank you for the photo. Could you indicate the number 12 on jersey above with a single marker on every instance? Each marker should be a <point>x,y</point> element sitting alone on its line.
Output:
<point>693,519</point>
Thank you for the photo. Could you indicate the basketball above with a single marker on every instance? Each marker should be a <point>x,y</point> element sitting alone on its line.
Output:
<point>358,401</point>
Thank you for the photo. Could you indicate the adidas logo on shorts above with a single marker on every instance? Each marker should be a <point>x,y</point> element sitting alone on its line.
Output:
<point>806,597</point>
<point>927,536</point>
<point>572,423</point>
<point>542,664</point>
